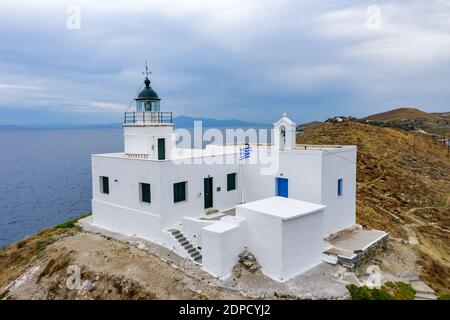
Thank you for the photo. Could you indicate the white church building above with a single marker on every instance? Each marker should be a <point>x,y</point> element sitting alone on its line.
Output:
<point>279,201</point>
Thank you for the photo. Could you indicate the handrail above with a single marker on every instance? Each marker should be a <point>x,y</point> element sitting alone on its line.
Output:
<point>147,117</point>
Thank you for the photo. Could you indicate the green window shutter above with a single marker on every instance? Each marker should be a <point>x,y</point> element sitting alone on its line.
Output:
<point>146,193</point>
<point>231,181</point>
<point>179,191</point>
<point>105,185</point>
<point>175,192</point>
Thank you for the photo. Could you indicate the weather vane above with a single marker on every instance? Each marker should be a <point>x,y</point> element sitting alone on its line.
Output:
<point>146,72</point>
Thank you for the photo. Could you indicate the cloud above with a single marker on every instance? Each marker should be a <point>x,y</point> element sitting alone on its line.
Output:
<point>108,106</point>
<point>249,59</point>
<point>6,86</point>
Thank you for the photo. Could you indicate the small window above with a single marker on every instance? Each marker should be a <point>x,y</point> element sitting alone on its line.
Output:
<point>145,192</point>
<point>340,187</point>
<point>179,191</point>
<point>104,185</point>
<point>231,181</point>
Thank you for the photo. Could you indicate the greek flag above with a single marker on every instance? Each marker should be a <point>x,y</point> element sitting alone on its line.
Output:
<point>245,153</point>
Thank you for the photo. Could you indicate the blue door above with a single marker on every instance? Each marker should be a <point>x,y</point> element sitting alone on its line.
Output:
<point>282,187</point>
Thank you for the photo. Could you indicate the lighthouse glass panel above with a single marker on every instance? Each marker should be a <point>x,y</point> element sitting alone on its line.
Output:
<point>146,106</point>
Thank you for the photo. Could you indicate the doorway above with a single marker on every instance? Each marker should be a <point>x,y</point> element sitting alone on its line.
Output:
<point>282,187</point>
<point>161,149</point>
<point>208,192</point>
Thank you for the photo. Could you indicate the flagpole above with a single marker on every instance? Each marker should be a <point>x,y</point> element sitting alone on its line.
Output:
<point>241,178</point>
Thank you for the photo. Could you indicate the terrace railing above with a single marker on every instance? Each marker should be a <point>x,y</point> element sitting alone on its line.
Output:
<point>150,117</point>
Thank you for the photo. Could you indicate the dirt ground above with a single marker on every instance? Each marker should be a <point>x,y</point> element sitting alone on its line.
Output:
<point>114,266</point>
<point>109,269</point>
<point>92,263</point>
<point>403,187</point>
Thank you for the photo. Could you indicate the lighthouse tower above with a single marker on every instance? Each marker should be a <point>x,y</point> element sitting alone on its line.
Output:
<point>148,132</point>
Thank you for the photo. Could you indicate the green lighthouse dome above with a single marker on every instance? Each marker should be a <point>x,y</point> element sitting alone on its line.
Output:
<point>147,99</point>
<point>147,93</point>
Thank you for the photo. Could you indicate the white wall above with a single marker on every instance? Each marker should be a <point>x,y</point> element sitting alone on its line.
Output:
<point>302,244</point>
<point>263,239</point>
<point>284,248</point>
<point>162,175</point>
<point>172,213</point>
<point>222,244</point>
<point>126,221</point>
<point>121,210</point>
<point>192,229</point>
<point>301,168</point>
<point>341,211</point>
<point>144,139</point>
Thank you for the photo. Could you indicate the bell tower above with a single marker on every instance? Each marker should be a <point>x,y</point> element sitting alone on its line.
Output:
<point>148,131</point>
<point>284,133</point>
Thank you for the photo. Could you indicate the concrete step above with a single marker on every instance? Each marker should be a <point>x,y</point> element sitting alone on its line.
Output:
<point>211,211</point>
<point>425,296</point>
<point>191,250</point>
<point>195,255</point>
<point>421,287</point>
<point>174,231</point>
<point>184,242</point>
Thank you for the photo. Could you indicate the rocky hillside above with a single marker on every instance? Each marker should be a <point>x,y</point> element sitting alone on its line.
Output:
<point>403,114</point>
<point>412,118</point>
<point>403,187</point>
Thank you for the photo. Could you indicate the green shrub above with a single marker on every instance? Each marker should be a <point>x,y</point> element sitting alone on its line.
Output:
<point>365,293</point>
<point>401,290</point>
<point>389,291</point>
<point>71,223</point>
<point>3,294</point>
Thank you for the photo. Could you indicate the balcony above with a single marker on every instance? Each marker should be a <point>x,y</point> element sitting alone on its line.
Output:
<point>148,117</point>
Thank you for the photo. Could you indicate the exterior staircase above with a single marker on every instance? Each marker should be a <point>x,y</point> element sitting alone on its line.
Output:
<point>423,292</point>
<point>184,242</point>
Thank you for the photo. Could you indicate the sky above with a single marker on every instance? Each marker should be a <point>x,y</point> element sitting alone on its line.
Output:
<point>81,61</point>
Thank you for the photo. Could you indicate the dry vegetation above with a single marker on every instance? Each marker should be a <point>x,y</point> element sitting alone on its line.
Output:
<point>403,187</point>
<point>413,118</point>
<point>37,268</point>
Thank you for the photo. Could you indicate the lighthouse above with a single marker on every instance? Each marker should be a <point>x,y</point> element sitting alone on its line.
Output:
<point>209,204</point>
<point>148,131</point>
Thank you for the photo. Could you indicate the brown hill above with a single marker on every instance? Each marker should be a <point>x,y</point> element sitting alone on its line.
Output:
<point>403,187</point>
<point>403,114</point>
<point>436,125</point>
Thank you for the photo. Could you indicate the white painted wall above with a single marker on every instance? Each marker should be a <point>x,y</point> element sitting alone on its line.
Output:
<point>173,213</point>
<point>121,210</point>
<point>302,168</point>
<point>222,243</point>
<point>263,239</point>
<point>127,221</point>
<point>142,139</point>
<point>162,175</point>
<point>289,127</point>
<point>302,244</point>
<point>125,174</point>
<point>284,247</point>
<point>192,229</point>
<point>341,211</point>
